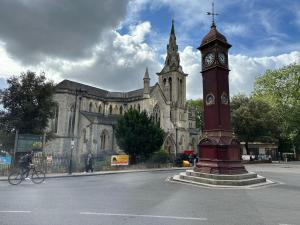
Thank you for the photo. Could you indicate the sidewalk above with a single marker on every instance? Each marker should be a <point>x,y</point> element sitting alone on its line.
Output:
<point>97,173</point>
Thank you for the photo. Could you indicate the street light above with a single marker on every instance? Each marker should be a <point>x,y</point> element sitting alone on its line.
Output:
<point>77,91</point>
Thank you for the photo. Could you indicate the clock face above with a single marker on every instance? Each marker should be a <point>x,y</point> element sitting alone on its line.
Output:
<point>209,59</point>
<point>222,58</point>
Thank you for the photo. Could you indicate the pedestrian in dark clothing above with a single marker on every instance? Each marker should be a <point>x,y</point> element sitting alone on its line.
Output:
<point>89,163</point>
<point>25,162</point>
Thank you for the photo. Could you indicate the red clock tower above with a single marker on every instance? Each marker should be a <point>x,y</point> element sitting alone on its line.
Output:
<point>219,149</point>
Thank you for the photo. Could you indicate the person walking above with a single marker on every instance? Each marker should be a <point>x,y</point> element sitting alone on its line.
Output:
<point>89,163</point>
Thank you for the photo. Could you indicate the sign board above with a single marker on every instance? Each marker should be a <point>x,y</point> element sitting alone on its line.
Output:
<point>28,142</point>
<point>49,158</point>
<point>120,160</point>
<point>6,160</point>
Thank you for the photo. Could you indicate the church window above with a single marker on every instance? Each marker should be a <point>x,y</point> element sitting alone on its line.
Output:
<point>71,120</point>
<point>121,110</point>
<point>90,107</point>
<point>110,109</point>
<point>100,108</point>
<point>84,136</point>
<point>139,107</point>
<point>170,84</point>
<point>156,114</point>
<point>56,112</point>
<point>104,140</point>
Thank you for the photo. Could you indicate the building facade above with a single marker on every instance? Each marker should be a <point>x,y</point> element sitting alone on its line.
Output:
<point>88,115</point>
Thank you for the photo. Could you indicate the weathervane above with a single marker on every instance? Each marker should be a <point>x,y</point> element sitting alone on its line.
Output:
<point>213,14</point>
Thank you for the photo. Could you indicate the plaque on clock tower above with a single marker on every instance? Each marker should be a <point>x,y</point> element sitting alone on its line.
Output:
<point>219,149</point>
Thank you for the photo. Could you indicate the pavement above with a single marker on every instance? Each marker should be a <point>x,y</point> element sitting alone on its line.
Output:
<point>97,173</point>
<point>147,198</point>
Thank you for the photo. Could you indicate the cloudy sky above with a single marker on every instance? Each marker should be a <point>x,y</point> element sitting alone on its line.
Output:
<point>109,43</point>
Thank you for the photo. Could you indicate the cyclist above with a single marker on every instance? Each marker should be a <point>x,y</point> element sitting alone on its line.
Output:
<point>25,163</point>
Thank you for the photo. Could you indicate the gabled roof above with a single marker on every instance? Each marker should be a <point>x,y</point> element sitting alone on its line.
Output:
<point>94,91</point>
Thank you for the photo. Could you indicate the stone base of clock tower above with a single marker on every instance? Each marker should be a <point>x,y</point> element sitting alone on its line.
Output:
<point>219,154</point>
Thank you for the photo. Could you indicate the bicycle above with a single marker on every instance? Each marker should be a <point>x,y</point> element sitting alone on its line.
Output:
<point>18,175</point>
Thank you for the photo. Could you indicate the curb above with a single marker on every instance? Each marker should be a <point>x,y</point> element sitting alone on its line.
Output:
<point>106,173</point>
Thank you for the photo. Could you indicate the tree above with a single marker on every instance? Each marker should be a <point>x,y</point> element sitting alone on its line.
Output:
<point>197,104</point>
<point>27,103</point>
<point>280,88</point>
<point>253,120</point>
<point>138,135</point>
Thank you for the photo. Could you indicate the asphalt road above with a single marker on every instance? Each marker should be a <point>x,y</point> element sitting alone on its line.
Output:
<point>148,199</point>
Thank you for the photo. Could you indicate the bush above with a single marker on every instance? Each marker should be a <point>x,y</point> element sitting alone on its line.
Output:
<point>160,157</point>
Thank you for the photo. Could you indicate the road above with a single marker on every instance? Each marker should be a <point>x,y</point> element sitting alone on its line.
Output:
<point>148,199</point>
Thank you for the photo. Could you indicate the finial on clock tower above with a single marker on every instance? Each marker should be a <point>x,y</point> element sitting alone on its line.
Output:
<point>213,14</point>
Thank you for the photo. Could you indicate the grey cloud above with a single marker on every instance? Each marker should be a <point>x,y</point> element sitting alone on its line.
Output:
<point>34,30</point>
<point>118,67</point>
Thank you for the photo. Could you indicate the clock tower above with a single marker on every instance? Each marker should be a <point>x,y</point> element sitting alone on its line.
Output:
<point>219,149</point>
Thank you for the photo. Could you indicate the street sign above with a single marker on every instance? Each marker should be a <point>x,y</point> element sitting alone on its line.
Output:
<point>28,142</point>
<point>120,160</point>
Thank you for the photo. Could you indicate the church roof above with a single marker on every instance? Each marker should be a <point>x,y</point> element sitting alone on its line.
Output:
<point>97,92</point>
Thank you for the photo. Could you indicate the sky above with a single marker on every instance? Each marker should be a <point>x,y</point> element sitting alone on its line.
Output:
<point>109,43</point>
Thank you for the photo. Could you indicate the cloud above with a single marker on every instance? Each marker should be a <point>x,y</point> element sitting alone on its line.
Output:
<point>235,29</point>
<point>244,70</point>
<point>36,30</point>
<point>119,62</point>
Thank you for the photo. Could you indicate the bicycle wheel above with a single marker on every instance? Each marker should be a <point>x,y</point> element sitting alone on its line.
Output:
<point>38,177</point>
<point>15,177</point>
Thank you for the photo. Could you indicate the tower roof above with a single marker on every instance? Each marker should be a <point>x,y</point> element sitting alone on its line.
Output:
<point>172,62</point>
<point>214,35</point>
<point>146,76</point>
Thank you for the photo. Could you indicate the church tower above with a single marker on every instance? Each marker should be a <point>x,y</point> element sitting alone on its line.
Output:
<point>219,149</point>
<point>172,79</point>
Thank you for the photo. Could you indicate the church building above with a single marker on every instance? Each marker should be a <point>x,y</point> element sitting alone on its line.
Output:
<point>86,116</point>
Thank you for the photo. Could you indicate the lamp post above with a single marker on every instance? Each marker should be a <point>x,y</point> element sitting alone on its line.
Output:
<point>77,91</point>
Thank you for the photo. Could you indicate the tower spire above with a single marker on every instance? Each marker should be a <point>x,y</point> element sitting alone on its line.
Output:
<point>172,28</point>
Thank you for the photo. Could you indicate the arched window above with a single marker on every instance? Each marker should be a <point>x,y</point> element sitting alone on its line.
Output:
<point>71,120</point>
<point>156,114</point>
<point>121,110</point>
<point>170,85</point>
<point>130,107</point>
<point>84,136</point>
<point>90,107</point>
<point>100,108</point>
<point>110,109</point>
<point>104,137</point>
<point>139,107</point>
<point>56,112</point>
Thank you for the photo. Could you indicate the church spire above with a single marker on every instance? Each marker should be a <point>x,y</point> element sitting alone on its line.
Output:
<point>172,62</point>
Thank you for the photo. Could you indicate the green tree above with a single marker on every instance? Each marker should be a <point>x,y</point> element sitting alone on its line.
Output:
<point>27,103</point>
<point>253,120</point>
<point>281,89</point>
<point>138,135</point>
<point>197,105</point>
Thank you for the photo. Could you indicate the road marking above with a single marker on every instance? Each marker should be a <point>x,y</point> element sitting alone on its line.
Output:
<point>15,211</point>
<point>145,216</point>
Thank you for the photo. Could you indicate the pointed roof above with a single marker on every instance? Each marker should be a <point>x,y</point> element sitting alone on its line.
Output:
<point>146,76</point>
<point>172,62</point>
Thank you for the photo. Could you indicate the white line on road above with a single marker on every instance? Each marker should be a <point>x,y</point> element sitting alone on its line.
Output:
<point>145,216</point>
<point>15,211</point>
